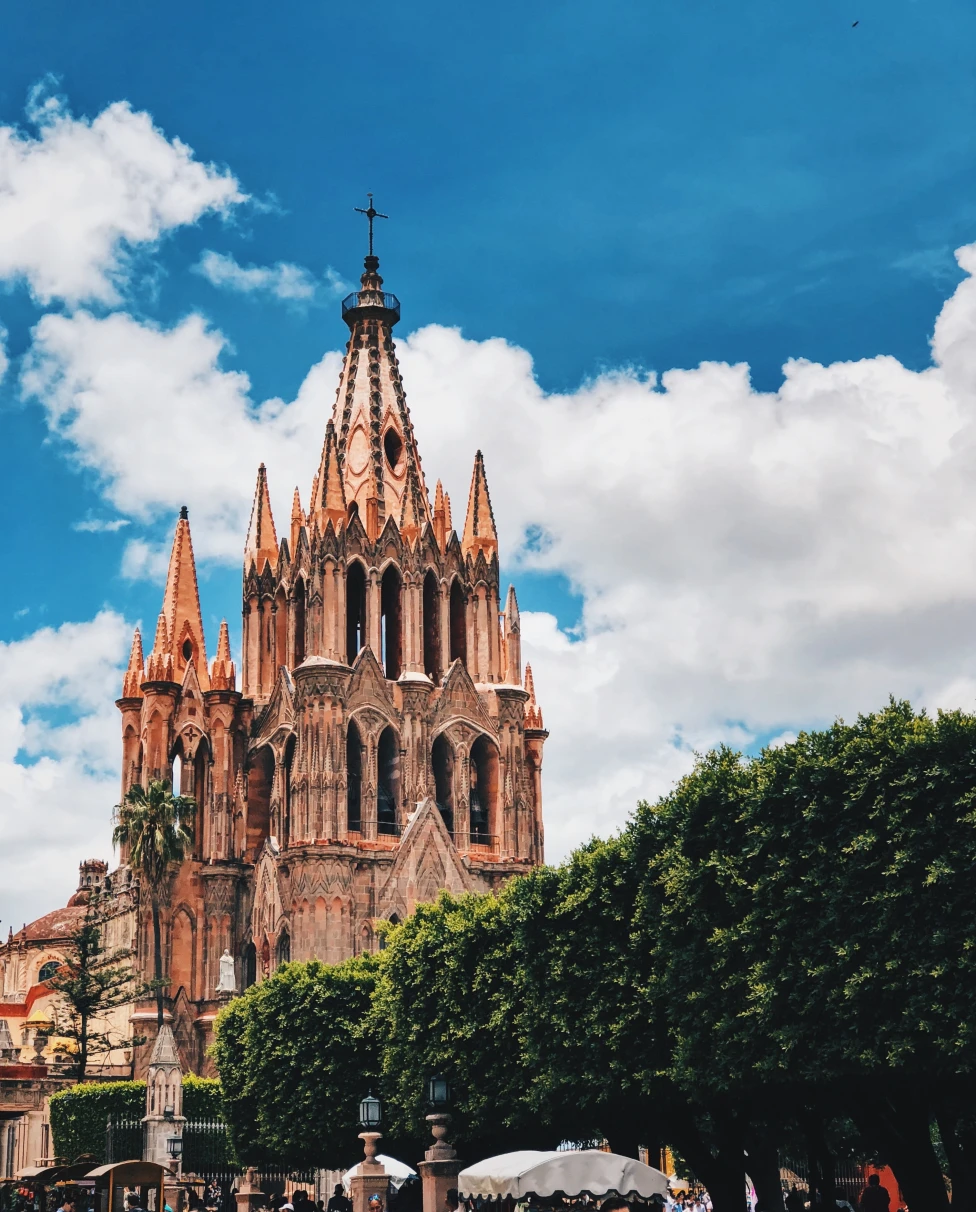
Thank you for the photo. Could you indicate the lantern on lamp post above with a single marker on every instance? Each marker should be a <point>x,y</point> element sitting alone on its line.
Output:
<point>439,1099</point>
<point>370,1118</point>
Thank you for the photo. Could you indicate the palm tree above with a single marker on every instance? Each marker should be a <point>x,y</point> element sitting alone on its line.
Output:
<point>157,826</point>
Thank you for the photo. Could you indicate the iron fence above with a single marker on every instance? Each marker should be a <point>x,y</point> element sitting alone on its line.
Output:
<point>124,1137</point>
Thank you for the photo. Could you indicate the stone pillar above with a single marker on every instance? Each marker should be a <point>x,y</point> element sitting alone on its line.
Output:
<point>439,1169</point>
<point>249,1195</point>
<point>164,1098</point>
<point>372,1178</point>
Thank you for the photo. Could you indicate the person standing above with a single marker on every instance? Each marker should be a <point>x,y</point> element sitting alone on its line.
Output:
<point>340,1202</point>
<point>874,1197</point>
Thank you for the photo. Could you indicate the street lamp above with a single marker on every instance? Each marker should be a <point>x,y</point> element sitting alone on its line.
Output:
<point>169,1112</point>
<point>438,1092</point>
<point>370,1112</point>
<point>174,1147</point>
<point>370,1118</point>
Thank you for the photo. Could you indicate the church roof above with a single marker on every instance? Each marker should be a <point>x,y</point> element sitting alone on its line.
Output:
<point>60,923</point>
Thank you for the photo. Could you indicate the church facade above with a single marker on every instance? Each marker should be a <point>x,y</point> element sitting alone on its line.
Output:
<point>382,742</point>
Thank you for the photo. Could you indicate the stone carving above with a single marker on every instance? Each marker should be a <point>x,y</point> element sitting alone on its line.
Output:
<point>228,981</point>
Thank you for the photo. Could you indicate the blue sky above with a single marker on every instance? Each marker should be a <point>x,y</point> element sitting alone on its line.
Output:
<point>614,189</point>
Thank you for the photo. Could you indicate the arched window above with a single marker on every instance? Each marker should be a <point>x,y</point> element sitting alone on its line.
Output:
<point>390,622</point>
<point>249,965</point>
<point>281,629</point>
<point>483,790</point>
<point>298,608</point>
<point>388,782</point>
<point>432,628</point>
<point>459,624</point>
<point>442,760</point>
<point>355,610</point>
<point>284,947</point>
<point>260,777</point>
<point>177,779</point>
<point>48,970</point>
<point>354,779</point>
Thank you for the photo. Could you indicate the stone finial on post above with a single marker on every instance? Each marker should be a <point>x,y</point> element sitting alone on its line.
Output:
<point>440,1167</point>
<point>372,1179</point>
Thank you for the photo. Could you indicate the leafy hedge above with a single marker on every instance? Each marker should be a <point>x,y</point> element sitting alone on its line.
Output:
<point>79,1115</point>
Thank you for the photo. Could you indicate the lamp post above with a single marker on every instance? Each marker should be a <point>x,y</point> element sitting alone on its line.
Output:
<point>174,1148</point>
<point>441,1164</point>
<point>370,1118</point>
<point>371,1177</point>
<point>439,1099</point>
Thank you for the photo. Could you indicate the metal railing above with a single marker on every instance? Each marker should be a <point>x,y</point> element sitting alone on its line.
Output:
<point>352,303</point>
<point>486,843</point>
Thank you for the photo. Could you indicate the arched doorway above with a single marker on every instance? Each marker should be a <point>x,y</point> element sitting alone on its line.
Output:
<point>483,791</point>
<point>391,597</point>
<point>354,779</point>
<point>459,624</point>
<point>355,610</point>
<point>442,761</point>
<point>260,778</point>
<point>432,627</point>
<point>388,782</point>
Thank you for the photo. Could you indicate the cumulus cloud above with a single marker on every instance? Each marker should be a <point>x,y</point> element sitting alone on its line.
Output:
<point>79,195</point>
<point>59,758</point>
<point>748,562</point>
<point>284,281</point>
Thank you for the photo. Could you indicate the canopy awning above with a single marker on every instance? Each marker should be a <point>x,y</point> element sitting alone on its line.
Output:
<point>398,1171</point>
<point>562,1172</point>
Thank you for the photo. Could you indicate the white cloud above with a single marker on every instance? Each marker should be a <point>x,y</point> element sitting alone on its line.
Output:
<point>749,562</point>
<point>285,281</point>
<point>59,759</point>
<point>100,525</point>
<point>79,195</point>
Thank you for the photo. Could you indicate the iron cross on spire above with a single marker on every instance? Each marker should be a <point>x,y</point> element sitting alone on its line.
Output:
<point>371,213</point>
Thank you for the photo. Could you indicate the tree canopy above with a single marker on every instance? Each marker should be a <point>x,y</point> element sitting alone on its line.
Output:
<point>776,956</point>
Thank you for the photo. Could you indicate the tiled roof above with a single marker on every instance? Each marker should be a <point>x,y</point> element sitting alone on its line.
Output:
<point>59,924</point>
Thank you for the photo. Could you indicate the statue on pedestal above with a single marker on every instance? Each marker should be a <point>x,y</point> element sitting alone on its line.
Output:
<point>227,982</point>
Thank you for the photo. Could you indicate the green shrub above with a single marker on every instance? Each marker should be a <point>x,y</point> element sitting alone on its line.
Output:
<point>79,1115</point>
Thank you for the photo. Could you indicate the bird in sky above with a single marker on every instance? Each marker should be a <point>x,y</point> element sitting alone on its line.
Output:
<point>855,23</point>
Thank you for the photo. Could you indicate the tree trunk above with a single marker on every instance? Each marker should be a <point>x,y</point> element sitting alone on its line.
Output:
<point>900,1124</point>
<point>158,960</point>
<point>82,1046</point>
<point>722,1170</point>
<point>959,1139</point>
<point>762,1164</point>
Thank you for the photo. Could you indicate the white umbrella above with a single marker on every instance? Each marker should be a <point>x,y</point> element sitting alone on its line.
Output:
<point>398,1171</point>
<point>568,1172</point>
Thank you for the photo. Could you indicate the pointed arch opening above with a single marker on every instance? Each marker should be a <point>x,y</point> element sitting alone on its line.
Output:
<point>391,622</point>
<point>176,771</point>
<point>483,792</point>
<point>355,610</point>
<point>200,791</point>
<point>249,965</point>
<point>181,942</point>
<point>432,627</point>
<point>284,948</point>
<point>280,630</point>
<point>285,826</point>
<point>388,782</point>
<point>260,779</point>
<point>354,779</point>
<point>299,600</point>
<point>442,761</point>
<point>459,624</point>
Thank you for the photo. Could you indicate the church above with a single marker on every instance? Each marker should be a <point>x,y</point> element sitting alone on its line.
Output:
<point>380,744</point>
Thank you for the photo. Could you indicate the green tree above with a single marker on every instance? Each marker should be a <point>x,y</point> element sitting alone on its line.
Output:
<point>817,937</point>
<point>295,1055</point>
<point>92,981</point>
<point>157,827</point>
